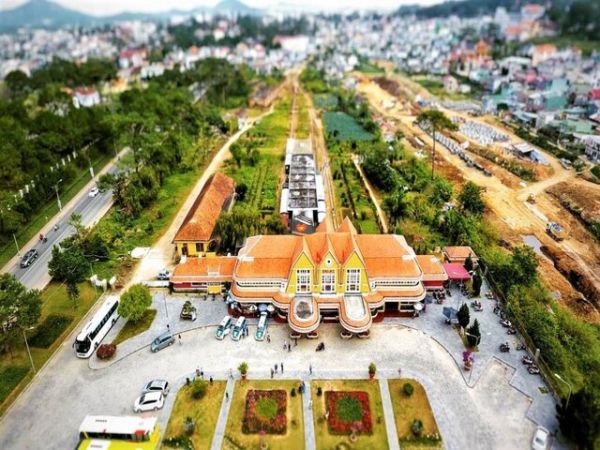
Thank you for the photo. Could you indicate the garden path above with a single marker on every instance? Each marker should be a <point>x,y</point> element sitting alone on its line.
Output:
<point>388,414</point>
<point>380,214</point>
<point>217,441</point>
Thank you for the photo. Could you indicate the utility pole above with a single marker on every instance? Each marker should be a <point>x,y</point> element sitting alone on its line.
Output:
<point>28,351</point>
<point>17,245</point>
<point>57,196</point>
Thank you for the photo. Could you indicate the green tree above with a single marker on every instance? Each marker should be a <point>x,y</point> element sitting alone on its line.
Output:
<point>395,205</point>
<point>463,315</point>
<point>234,227</point>
<point>134,302</point>
<point>237,153</point>
<point>474,334</point>
<point>20,309</point>
<point>437,121</point>
<point>477,281</point>
<point>470,198</point>
<point>469,263</point>
<point>377,168</point>
<point>441,191</point>
<point>69,265</point>
<point>524,265</point>
<point>580,418</point>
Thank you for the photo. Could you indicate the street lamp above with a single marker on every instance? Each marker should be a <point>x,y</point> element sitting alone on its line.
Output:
<point>568,384</point>
<point>57,196</point>
<point>27,346</point>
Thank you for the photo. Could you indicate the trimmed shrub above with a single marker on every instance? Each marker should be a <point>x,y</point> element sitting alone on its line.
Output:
<point>106,351</point>
<point>319,391</point>
<point>293,392</point>
<point>199,388</point>
<point>50,330</point>
<point>417,427</point>
<point>11,376</point>
<point>408,389</point>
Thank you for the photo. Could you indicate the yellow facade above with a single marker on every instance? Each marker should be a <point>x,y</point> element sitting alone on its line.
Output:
<point>303,262</point>
<point>191,248</point>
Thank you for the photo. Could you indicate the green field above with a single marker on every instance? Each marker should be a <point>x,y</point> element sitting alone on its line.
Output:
<point>325,101</point>
<point>342,127</point>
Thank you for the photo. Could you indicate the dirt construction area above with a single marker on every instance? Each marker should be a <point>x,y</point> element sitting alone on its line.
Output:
<point>570,267</point>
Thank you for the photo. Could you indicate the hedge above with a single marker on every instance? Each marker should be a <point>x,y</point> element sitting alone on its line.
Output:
<point>50,330</point>
<point>11,376</point>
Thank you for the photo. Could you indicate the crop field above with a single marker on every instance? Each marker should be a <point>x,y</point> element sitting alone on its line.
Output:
<point>342,127</point>
<point>325,101</point>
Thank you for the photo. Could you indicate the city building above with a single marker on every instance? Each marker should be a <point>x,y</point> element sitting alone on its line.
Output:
<point>196,235</point>
<point>592,148</point>
<point>332,274</point>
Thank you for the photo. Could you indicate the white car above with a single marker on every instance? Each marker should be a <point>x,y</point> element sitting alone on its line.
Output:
<point>156,386</point>
<point>540,439</point>
<point>94,192</point>
<point>150,401</point>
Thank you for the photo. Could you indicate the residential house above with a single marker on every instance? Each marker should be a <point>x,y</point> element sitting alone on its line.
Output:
<point>459,254</point>
<point>450,84</point>
<point>592,149</point>
<point>85,97</point>
<point>196,236</point>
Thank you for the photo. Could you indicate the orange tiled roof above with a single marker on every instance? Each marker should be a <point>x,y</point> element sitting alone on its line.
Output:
<point>380,294</point>
<point>386,255</point>
<point>200,222</point>
<point>204,269</point>
<point>267,256</point>
<point>459,252</point>
<point>432,268</point>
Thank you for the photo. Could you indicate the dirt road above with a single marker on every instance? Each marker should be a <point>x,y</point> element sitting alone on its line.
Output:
<point>507,200</point>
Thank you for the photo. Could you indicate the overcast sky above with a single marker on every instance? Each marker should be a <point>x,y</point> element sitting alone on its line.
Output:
<point>101,7</point>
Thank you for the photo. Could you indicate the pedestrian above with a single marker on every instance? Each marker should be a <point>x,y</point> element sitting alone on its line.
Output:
<point>197,372</point>
<point>268,338</point>
<point>310,404</point>
<point>290,347</point>
<point>281,367</point>
<point>179,339</point>
<point>226,396</point>
<point>310,369</point>
<point>202,374</point>
<point>275,368</point>
<point>231,374</point>
<point>168,327</point>
<point>210,379</point>
<point>272,373</point>
<point>284,346</point>
<point>295,342</point>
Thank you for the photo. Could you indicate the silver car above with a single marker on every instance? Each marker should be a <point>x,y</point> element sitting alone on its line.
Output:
<point>162,341</point>
<point>156,386</point>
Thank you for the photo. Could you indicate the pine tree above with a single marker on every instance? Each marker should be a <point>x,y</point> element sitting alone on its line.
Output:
<point>463,315</point>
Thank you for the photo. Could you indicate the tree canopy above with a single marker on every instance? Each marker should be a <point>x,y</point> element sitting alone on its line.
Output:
<point>134,302</point>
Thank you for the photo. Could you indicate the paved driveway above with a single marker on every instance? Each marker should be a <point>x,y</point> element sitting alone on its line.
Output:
<point>489,416</point>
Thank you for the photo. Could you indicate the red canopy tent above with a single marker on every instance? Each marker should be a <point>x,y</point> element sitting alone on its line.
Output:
<point>456,272</point>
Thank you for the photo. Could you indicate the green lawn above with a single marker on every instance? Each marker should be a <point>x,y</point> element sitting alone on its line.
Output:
<point>407,409</point>
<point>54,301</point>
<point>204,412</point>
<point>49,209</point>
<point>342,127</point>
<point>132,329</point>
<point>294,437</point>
<point>303,123</point>
<point>325,440</point>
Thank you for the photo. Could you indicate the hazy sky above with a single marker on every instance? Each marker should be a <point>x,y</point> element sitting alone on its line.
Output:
<point>101,7</point>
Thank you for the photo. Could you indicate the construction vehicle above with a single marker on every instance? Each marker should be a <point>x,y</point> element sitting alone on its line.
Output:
<point>555,231</point>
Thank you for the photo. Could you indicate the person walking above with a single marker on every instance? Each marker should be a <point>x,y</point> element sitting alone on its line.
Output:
<point>290,347</point>
<point>231,374</point>
<point>295,342</point>
<point>281,367</point>
<point>275,367</point>
<point>210,380</point>
<point>168,327</point>
<point>272,372</point>
<point>179,339</point>
<point>197,372</point>
<point>310,369</point>
<point>226,396</point>
<point>284,345</point>
<point>268,338</point>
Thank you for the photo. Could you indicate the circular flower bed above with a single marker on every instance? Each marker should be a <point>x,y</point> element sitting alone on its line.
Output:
<point>348,411</point>
<point>266,411</point>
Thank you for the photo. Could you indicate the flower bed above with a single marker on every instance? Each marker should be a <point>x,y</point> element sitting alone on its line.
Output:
<point>348,412</point>
<point>266,411</point>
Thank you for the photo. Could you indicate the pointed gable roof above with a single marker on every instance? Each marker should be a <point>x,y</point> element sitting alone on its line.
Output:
<point>325,226</point>
<point>346,227</point>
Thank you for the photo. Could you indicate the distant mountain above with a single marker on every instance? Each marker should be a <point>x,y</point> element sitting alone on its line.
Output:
<point>47,14</point>
<point>464,8</point>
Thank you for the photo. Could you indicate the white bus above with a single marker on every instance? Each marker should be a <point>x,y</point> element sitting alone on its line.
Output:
<point>124,432</point>
<point>95,330</point>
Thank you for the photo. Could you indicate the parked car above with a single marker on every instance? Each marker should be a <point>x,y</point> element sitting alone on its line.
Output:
<point>162,341</point>
<point>164,274</point>
<point>94,192</point>
<point>240,325</point>
<point>540,439</point>
<point>150,401</point>
<point>224,327</point>
<point>29,257</point>
<point>156,386</point>
<point>188,311</point>
<point>261,329</point>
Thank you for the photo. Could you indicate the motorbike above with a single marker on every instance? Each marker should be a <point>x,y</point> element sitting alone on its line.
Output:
<point>505,348</point>
<point>511,330</point>
<point>320,347</point>
<point>506,323</point>
<point>533,370</point>
<point>528,360</point>
<point>521,346</point>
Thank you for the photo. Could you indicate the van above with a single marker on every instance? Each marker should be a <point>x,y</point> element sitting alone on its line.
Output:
<point>162,341</point>
<point>224,327</point>
<point>238,328</point>
<point>261,330</point>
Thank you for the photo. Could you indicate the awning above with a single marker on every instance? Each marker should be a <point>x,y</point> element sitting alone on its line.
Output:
<point>456,272</point>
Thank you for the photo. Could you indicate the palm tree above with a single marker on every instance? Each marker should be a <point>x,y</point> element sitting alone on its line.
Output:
<point>437,121</point>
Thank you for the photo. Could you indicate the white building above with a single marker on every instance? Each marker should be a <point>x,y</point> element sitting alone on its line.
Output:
<point>592,148</point>
<point>86,97</point>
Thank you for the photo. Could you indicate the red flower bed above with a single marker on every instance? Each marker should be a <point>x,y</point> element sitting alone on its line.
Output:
<point>348,411</point>
<point>254,422</point>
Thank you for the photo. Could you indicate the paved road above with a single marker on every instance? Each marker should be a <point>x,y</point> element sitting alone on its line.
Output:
<point>91,210</point>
